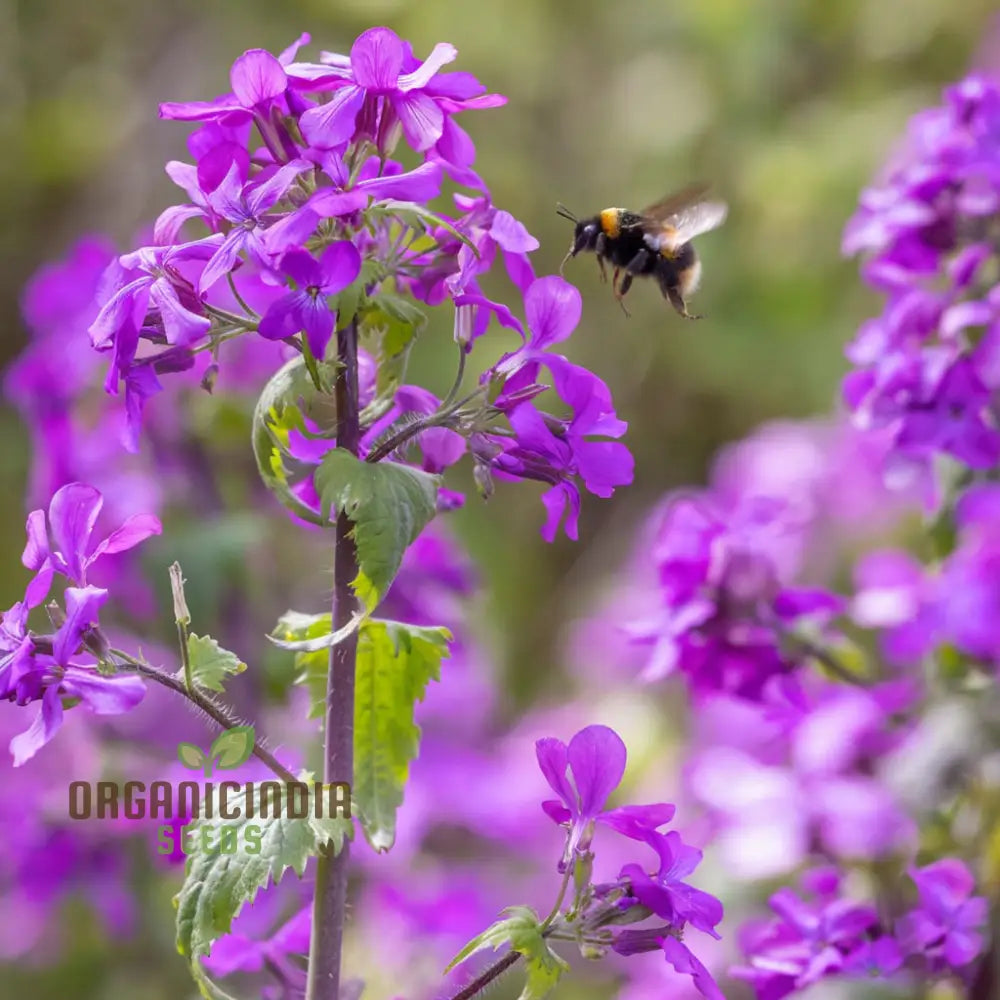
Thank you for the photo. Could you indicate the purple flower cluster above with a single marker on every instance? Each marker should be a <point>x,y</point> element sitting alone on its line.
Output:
<point>834,936</point>
<point>583,774</point>
<point>724,571</point>
<point>927,368</point>
<point>919,608</point>
<point>53,666</point>
<point>302,208</point>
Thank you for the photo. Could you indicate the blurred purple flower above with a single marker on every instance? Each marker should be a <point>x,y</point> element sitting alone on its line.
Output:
<point>808,942</point>
<point>947,926</point>
<point>926,368</point>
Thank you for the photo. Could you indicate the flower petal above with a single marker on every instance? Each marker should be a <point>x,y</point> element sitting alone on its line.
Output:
<point>421,184</point>
<point>136,529</point>
<point>317,321</point>
<point>421,118</point>
<point>377,59</point>
<point>25,745</point>
<point>552,308</point>
<point>104,695</point>
<point>73,513</point>
<point>82,607</point>
<point>339,265</point>
<point>552,759</point>
<point>511,234</point>
<point>257,77</point>
<point>332,124</point>
<point>597,758</point>
<point>442,54</point>
<point>36,549</point>
<point>684,961</point>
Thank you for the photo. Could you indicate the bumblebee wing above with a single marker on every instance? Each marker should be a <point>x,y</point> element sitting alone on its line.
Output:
<point>673,232</point>
<point>674,203</point>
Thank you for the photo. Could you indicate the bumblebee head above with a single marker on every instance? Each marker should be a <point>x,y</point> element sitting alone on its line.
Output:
<point>585,233</point>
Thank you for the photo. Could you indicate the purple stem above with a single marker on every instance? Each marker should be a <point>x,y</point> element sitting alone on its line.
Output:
<point>330,902</point>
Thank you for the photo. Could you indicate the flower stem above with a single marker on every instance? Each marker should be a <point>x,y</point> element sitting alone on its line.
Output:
<point>481,982</point>
<point>330,902</point>
<point>213,709</point>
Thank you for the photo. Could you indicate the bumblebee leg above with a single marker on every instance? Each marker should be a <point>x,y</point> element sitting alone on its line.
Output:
<point>602,269</point>
<point>614,279</point>
<point>677,301</point>
<point>622,290</point>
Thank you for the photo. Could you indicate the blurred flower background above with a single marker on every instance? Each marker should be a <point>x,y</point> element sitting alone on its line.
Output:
<point>788,110</point>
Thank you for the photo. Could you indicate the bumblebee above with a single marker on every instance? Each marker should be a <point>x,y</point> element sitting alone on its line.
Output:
<point>655,242</point>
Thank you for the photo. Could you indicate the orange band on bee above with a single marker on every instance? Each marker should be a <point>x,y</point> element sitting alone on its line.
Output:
<point>609,222</point>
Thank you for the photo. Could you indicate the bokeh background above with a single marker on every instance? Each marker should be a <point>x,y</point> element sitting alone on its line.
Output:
<point>787,108</point>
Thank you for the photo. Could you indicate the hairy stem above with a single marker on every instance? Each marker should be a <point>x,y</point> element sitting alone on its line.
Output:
<point>218,713</point>
<point>481,982</point>
<point>330,902</point>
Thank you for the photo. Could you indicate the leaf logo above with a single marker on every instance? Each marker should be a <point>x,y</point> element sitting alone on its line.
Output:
<point>229,749</point>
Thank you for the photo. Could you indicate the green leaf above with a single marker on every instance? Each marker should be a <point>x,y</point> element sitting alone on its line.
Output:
<point>316,640</point>
<point>276,414</point>
<point>544,966</point>
<point>191,756</point>
<point>217,883</point>
<point>389,505</point>
<point>210,663</point>
<point>395,662</point>
<point>233,747</point>
<point>392,324</point>
<point>522,930</point>
<point>311,666</point>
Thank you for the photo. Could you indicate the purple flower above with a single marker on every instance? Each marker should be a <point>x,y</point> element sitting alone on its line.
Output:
<point>808,942</point>
<point>490,228</point>
<point>947,925</point>
<point>147,285</point>
<point>306,307</point>
<point>258,79</point>
<point>556,452</point>
<point>894,593</point>
<point>782,778</point>
<point>49,668</point>
<point>61,542</point>
<point>259,94</point>
<point>583,775</point>
<point>246,206</point>
<point>724,572</point>
<point>375,87</point>
<point>665,893</point>
<point>926,367</point>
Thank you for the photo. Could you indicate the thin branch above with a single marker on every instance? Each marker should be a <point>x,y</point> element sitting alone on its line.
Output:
<point>218,713</point>
<point>493,972</point>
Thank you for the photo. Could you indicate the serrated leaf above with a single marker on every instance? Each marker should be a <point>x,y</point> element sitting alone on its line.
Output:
<point>191,756</point>
<point>232,747</point>
<point>217,884</point>
<point>392,323</point>
<point>389,505</point>
<point>210,663</point>
<point>395,662</point>
<point>498,934</point>
<point>322,640</point>
<point>275,415</point>
<point>544,968</point>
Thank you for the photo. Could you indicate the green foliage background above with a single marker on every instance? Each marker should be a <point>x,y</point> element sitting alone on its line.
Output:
<point>786,107</point>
